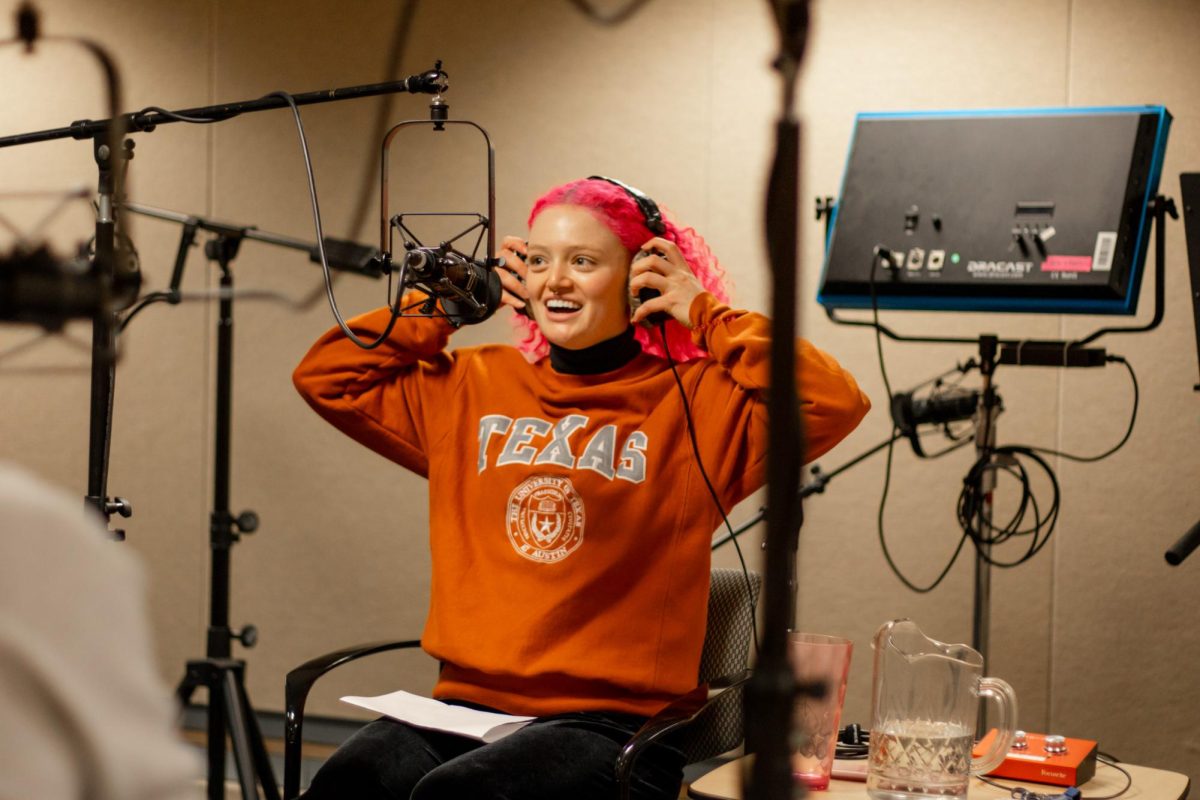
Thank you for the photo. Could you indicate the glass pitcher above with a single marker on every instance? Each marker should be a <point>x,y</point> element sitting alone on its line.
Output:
<point>924,708</point>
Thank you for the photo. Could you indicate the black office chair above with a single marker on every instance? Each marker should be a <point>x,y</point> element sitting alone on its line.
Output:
<point>712,712</point>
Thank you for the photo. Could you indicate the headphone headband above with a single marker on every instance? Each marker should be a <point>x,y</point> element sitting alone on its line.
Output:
<point>649,209</point>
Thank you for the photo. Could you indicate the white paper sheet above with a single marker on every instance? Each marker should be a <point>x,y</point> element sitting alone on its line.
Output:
<point>423,712</point>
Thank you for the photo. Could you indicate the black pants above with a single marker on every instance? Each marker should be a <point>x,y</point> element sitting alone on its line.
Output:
<point>569,756</point>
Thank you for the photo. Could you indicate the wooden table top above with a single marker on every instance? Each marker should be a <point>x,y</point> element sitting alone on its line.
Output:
<point>724,783</point>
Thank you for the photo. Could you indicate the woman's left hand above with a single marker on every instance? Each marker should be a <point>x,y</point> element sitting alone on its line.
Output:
<point>659,265</point>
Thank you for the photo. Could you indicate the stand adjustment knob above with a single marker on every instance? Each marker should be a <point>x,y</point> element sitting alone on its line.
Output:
<point>248,636</point>
<point>246,522</point>
<point>119,505</point>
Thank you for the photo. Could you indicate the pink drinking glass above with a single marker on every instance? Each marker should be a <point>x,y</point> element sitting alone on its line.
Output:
<point>825,660</point>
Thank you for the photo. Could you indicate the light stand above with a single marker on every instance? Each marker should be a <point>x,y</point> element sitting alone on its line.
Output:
<point>993,352</point>
<point>985,444</point>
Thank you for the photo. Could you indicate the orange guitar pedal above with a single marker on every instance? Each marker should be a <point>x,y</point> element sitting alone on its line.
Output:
<point>1042,758</point>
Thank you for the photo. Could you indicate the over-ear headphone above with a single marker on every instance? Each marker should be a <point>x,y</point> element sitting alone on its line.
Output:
<point>649,209</point>
<point>654,223</point>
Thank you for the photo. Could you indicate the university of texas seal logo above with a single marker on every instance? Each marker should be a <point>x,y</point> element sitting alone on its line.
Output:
<point>545,519</point>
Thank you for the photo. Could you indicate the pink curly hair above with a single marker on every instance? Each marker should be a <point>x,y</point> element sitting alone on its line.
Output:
<point>613,206</point>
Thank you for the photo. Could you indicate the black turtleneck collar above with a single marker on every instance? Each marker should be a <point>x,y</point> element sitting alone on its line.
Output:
<point>602,357</point>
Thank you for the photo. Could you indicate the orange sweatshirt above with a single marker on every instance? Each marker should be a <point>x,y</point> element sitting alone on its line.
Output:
<point>569,526</point>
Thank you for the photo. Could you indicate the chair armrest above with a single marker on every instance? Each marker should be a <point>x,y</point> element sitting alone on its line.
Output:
<point>297,686</point>
<point>674,716</point>
<point>301,679</point>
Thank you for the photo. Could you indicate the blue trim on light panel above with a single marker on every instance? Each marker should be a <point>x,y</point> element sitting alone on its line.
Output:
<point>1125,305</point>
<point>1160,149</point>
<point>1013,304</point>
<point>1009,112</point>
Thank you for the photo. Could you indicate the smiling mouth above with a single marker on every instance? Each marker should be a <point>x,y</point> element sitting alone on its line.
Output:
<point>562,307</point>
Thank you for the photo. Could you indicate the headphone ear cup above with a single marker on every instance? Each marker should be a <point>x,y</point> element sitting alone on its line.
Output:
<point>645,295</point>
<point>525,312</point>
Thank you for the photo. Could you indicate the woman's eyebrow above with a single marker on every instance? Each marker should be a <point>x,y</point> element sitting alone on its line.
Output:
<point>570,248</point>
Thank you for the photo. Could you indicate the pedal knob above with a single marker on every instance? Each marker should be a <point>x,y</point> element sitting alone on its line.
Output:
<point>1020,740</point>
<point>1056,745</point>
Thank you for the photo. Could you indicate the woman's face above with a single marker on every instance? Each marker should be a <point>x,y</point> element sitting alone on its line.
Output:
<point>577,274</point>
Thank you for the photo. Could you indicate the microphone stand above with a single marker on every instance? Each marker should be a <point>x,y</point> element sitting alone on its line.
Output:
<point>111,147</point>
<point>816,486</point>
<point>819,481</point>
<point>224,677</point>
<point>1184,547</point>
<point>771,691</point>
<point>229,708</point>
<point>115,273</point>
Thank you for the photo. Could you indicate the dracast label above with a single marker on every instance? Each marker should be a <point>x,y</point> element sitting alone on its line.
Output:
<point>1007,268</point>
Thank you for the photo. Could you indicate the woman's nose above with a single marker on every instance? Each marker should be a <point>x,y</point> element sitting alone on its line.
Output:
<point>559,277</point>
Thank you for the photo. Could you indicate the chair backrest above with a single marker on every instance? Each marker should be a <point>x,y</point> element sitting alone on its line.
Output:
<point>732,602</point>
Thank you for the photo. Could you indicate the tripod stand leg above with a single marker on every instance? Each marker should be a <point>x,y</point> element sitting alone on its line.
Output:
<point>262,760</point>
<point>231,694</point>
<point>185,690</point>
<point>216,744</point>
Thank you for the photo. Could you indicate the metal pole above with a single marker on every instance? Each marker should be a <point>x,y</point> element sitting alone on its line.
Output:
<point>431,82</point>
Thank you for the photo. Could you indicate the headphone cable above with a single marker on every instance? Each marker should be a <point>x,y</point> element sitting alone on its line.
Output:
<point>691,428</point>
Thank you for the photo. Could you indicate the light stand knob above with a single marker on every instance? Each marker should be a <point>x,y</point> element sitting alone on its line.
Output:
<point>119,505</point>
<point>246,522</point>
<point>248,636</point>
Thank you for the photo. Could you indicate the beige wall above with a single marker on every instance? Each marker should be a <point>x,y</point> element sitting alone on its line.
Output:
<point>1097,634</point>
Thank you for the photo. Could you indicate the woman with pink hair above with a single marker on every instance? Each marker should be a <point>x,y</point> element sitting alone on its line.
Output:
<point>617,210</point>
<point>575,483</point>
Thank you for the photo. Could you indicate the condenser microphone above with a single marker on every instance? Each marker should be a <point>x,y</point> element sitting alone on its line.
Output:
<point>909,412</point>
<point>39,288</point>
<point>468,290</point>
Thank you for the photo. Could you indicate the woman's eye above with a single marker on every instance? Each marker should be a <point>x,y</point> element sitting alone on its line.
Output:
<point>537,262</point>
<point>582,261</point>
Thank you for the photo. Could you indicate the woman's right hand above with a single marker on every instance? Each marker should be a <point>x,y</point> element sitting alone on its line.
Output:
<point>512,272</point>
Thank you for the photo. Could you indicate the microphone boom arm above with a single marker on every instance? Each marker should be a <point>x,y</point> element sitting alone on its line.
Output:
<point>433,81</point>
